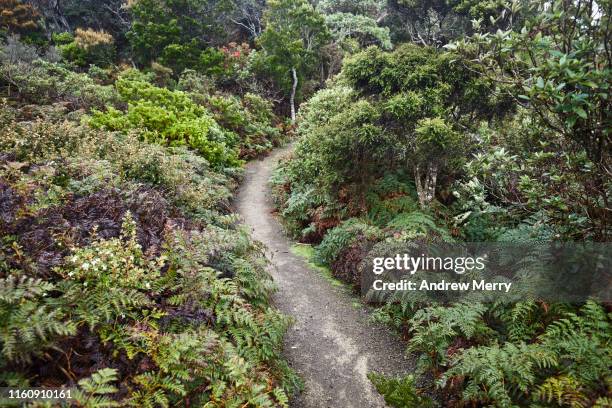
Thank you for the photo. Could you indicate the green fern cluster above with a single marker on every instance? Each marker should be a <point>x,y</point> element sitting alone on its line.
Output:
<point>29,322</point>
<point>525,354</point>
<point>564,363</point>
<point>436,328</point>
<point>400,392</point>
<point>342,236</point>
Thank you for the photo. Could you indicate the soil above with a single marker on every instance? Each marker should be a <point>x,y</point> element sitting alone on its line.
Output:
<point>333,343</point>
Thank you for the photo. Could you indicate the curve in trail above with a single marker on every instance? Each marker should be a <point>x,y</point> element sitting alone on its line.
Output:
<point>333,344</point>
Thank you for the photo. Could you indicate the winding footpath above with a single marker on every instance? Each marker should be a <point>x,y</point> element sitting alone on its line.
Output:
<point>333,344</point>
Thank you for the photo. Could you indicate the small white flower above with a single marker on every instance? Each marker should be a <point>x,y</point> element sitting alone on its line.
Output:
<point>85,266</point>
<point>148,285</point>
<point>70,273</point>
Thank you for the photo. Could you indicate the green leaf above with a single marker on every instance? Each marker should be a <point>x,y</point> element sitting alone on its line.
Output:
<point>581,112</point>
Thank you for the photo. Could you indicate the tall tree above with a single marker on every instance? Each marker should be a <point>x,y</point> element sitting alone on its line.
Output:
<point>358,20</point>
<point>429,102</point>
<point>177,31</point>
<point>292,40</point>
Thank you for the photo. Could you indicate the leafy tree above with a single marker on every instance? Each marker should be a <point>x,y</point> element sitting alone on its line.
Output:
<point>438,22</point>
<point>176,31</point>
<point>248,16</point>
<point>425,22</point>
<point>363,28</point>
<point>557,65</point>
<point>429,102</point>
<point>356,19</point>
<point>294,34</point>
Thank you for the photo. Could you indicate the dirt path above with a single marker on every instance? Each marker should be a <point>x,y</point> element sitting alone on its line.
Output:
<point>332,344</point>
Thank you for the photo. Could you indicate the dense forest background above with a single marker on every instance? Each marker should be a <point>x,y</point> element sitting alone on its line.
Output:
<point>123,133</point>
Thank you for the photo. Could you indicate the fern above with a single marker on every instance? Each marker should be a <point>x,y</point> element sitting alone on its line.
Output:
<point>494,374</point>
<point>93,392</point>
<point>564,391</point>
<point>281,397</point>
<point>400,392</point>
<point>582,340</point>
<point>522,320</point>
<point>435,328</point>
<point>28,323</point>
<point>419,222</point>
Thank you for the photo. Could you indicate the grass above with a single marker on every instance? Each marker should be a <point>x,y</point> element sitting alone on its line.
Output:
<point>307,252</point>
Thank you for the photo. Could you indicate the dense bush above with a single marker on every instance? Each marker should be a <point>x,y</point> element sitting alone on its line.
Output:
<point>39,79</point>
<point>87,47</point>
<point>220,128</point>
<point>251,118</point>
<point>425,145</point>
<point>122,276</point>
<point>168,117</point>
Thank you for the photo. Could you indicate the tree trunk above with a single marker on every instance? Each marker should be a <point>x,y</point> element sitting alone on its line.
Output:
<point>426,189</point>
<point>293,90</point>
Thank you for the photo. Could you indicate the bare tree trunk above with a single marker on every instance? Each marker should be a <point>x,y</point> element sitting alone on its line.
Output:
<point>426,189</point>
<point>293,90</point>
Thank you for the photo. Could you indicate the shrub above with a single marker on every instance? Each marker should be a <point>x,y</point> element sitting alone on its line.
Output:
<point>31,79</point>
<point>87,47</point>
<point>251,119</point>
<point>341,237</point>
<point>167,117</point>
<point>400,392</point>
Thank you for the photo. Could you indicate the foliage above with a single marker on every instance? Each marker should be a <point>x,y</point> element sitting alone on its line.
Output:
<point>294,34</point>
<point>435,328</point>
<point>250,117</point>
<point>17,17</point>
<point>400,392</point>
<point>93,390</point>
<point>168,306</point>
<point>341,237</point>
<point>39,80</point>
<point>175,32</point>
<point>167,117</point>
<point>504,374</point>
<point>363,28</point>
<point>87,47</point>
<point>563,84</point>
